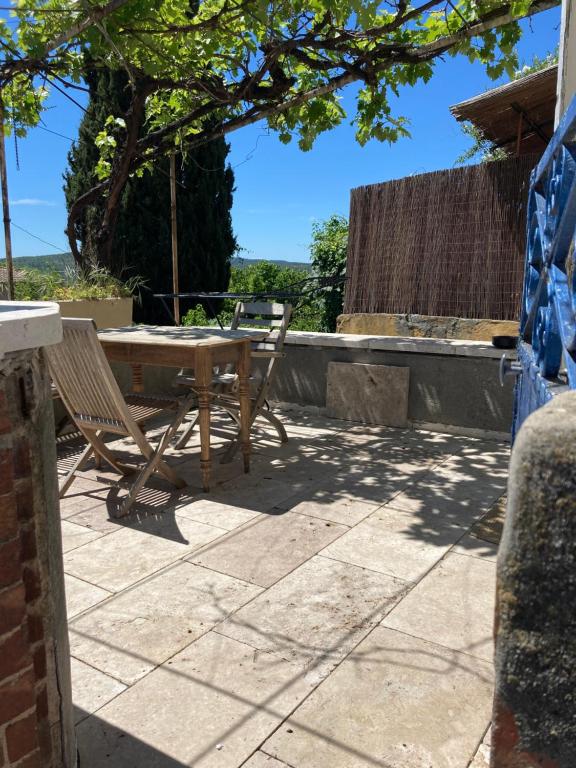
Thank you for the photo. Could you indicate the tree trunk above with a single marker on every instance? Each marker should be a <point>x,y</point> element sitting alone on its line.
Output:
<point>121,169</point>
<point>74,214</point>
<point>112,187</point>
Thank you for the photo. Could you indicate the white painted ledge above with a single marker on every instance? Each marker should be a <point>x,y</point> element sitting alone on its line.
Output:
<point>28,325</point>
<point>452,347</point>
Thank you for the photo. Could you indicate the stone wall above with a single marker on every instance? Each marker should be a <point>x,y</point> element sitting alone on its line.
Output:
<point>566,89</point>
<point>425,326</point>
<point>454,385</point>
<point>35,706</point>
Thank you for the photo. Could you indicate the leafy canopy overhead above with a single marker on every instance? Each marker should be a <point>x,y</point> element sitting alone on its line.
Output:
<point>199,69</point>
<point>229,61</point>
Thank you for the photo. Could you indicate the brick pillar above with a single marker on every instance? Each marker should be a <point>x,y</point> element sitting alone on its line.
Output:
<point>535,705</point>
<point>36,728</point>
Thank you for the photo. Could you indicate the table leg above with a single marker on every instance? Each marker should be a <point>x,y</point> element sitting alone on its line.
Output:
<point>203,374</point>
<point>245,405</point>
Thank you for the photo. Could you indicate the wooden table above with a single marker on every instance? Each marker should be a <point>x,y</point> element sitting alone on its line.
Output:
<point>186,347</point>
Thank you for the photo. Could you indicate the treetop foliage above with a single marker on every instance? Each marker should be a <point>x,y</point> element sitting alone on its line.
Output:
<point>260,277</point>
<point>232,59</point>
<point>198,69</point>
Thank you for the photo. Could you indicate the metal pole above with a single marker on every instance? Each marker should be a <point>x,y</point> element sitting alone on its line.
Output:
<point>6,205</point>
<point>174,223</point>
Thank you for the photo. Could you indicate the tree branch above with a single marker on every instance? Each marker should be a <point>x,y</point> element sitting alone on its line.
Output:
<point>156,139</point>
<point>97,14</point>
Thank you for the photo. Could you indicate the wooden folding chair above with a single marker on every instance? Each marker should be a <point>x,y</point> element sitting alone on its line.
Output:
<point>91,394</point>
<point>259,314</point>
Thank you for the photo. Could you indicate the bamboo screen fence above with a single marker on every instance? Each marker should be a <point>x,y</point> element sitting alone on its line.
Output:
<point>448,243</point>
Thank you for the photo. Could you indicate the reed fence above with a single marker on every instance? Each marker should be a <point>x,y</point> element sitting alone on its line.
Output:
<point>449,243</point>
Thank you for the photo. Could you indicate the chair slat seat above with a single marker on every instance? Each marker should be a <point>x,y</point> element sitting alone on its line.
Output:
<point>142,408</point>
<point>253,309</point>
<point>87,421</point>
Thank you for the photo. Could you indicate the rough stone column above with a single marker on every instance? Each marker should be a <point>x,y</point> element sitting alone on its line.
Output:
<point>36,726</point>
<point>567,59</point>
<point>535,703</point>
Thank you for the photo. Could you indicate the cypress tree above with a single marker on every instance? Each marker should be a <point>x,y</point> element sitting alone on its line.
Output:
<point>142,243</point>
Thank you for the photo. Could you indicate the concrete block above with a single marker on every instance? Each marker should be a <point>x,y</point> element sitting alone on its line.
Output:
<point>80,595</point>
<point>262,760</point>
<point>216,513</point>
<point>122,558</point>
<point>265,550</point>
<point>392,542</point>
<point>346,511</point>
<point>106,313</point>
<point>372,394</point>
<point>74,536</point>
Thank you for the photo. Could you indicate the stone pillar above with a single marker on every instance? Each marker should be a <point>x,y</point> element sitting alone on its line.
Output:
<point>567,59</point>
<point>36,725</point>
<point>535,704</point>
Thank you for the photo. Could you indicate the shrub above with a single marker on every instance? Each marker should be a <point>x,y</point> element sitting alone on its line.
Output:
<point>316,312</point>
<point>258,278</point>
<point>328,255</point>
<point>54,286</point>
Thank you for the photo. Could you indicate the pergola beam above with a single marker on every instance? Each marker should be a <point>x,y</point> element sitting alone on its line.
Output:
<point>526,117</point>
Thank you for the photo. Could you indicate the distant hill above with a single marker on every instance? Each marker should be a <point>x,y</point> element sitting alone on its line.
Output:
<point>243,263</point>
<point>51,262</point>
<point>60,262</point>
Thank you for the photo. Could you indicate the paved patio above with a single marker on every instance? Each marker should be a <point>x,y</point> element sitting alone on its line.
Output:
<point>333,609</point>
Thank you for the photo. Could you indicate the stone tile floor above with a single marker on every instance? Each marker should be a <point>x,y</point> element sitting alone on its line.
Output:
<point>333,609</point>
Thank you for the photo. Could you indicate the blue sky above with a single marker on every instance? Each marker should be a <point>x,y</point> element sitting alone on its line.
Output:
<point>280,190</point>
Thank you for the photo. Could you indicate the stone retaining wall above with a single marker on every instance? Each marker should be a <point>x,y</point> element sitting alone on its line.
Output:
<point>453,384</point>
<point>425,326</point>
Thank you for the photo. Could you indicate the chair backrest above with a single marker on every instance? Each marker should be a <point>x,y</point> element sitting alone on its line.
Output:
<point>85,381</point>
<point>264,314</point>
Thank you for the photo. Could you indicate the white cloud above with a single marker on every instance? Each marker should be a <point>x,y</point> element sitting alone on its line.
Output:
<point>33,201</point>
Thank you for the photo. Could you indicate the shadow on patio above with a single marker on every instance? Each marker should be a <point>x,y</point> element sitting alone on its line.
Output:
<point>332,608</point>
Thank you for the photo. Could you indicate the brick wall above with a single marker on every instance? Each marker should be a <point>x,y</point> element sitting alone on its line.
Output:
<point>30,700</point>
